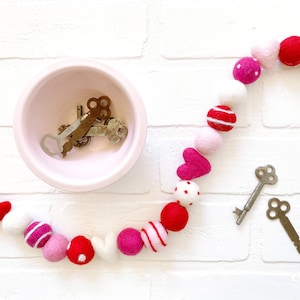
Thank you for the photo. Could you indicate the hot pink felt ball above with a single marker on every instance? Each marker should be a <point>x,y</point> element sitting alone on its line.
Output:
<point>246,70</point>
<point>37,234</point>
<point>56,248</point>
<point>221,118</point>
<point>154,236</point>
<point>129,241</point>
<point>207,140</point>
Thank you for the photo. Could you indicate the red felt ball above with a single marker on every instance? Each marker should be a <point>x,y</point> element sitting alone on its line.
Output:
<point>289,52</point>
<point>174,217</point>
<point>80,250</point>
<point>221,118</point>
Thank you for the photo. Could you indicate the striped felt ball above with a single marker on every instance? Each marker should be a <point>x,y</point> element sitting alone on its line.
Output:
<point>37,234</point>
<point>154,236</point>
<point>221,118</point>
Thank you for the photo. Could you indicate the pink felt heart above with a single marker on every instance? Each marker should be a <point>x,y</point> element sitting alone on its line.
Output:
<point>266,53</point>
<point>195,165</point>
<point>5,207</point>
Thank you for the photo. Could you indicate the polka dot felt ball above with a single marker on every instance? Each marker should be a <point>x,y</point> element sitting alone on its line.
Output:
<point>80,250</point>
<point>186,192</point>
<point>174,217</point>
<point>289,52</point>
<point>37,234</point>
<point>221,118</point>
<point>129,241</point>
<point>246,70</point>
<point>154,236</point>
<point>56,248</point>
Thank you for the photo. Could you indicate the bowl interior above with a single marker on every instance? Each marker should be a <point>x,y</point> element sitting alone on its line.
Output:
<point>52,101</point>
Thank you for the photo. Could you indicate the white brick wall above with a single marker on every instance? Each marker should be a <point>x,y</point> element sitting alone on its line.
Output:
<point>175,53</point>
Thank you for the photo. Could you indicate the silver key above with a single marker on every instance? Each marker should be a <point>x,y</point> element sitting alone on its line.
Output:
<point>277,210</point>
<point>265,175</point>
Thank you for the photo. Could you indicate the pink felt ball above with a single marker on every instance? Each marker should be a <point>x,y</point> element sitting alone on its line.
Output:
<point>129,241</point>
<point>221,118</point>
<point>246,70</point>
<point>154,236</point>
<point>37,234</point>
<point>207,140</point>
<point>56,248</point>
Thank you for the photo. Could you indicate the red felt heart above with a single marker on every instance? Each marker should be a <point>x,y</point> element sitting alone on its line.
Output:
<point>5,207</point>
<point>195,165</point>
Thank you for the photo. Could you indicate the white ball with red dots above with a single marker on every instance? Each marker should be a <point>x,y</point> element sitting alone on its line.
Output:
<point>207,140</point>
<point>186,192</point>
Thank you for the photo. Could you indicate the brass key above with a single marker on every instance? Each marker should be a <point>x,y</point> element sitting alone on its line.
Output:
<point>278,210</point>
<point>98,109</point>
<point>265,175</point>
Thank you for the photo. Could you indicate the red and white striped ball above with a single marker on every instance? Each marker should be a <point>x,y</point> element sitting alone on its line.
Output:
<point>37,234</point>
<point>154,236</point>
<point>221,118</point>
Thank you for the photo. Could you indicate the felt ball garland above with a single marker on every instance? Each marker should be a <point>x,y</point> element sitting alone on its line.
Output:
<point>174,216</point>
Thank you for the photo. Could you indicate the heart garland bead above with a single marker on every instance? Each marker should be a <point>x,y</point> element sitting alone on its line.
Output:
<point>174,216</point>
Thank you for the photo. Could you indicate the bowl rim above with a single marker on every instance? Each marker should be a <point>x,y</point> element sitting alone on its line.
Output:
<point>134,152</point>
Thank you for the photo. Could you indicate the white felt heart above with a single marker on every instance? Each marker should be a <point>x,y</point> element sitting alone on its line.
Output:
<point>106,248</point>
<point>266,53</point>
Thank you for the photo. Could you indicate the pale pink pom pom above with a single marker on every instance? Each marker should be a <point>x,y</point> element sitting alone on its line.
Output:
<point>207,140</point>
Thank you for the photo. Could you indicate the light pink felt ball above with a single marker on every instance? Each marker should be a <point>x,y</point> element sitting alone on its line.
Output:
<point>129,241</point>
<point>56,248</point>
<point>247,70</point>
<point>207,140</point>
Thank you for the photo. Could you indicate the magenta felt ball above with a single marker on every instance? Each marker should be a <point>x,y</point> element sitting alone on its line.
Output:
<point>129,241</point>
<point>56,248</point>
<point>246,70</point>
<point>37,234</point>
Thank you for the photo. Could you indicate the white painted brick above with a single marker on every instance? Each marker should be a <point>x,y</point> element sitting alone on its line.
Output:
<point>62,28</point>
<point>220,29</point>
<point>228,285</point>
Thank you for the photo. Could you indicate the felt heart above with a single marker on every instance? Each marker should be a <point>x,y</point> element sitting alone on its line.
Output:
<point>106,248</point>
<point>5,207</point>
<point>195,165</point>
<point>266,53</point>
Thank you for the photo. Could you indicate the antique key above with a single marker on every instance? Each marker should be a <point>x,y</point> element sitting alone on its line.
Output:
<point>278,210</point>
<point>265,175</point>
<point>98,109</point>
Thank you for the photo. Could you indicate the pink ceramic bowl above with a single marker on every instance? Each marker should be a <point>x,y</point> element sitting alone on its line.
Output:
<point>51,99</point>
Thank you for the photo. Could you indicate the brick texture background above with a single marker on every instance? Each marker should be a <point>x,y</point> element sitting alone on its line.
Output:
<point>175,53</point>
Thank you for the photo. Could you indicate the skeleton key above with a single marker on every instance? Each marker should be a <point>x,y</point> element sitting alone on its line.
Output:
<point>265,175</point>
<point>278,210</point>
<point>98,109</point>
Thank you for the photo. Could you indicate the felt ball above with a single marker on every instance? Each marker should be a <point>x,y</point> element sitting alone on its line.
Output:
<point>266,52</point>
<point>56,248</point>
<point>154,236</point>
<point>186,192</point>
<point>15,222</point>
<point>37,234</point>
<point>106,248</point>
<point>80,250</point>
<point>5,208</point>
<point>129,241</point>
<point>246,70</point>
<point>207,140</point>
<point>232,92</point>
<point>289,52</point>
<point>221,118</point>
<point>174,217</point>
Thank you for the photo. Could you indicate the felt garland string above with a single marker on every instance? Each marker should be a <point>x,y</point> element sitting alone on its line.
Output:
<point>174,216</point>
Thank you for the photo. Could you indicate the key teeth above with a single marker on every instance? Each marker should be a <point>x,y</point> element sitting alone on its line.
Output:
<point>237,211</point>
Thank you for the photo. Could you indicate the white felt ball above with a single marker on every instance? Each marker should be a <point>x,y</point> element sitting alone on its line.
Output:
<point>207,140</point>
<point>16,222</point>
<point>186,192</point>
<point>106,248</point>
<point>232,92</point>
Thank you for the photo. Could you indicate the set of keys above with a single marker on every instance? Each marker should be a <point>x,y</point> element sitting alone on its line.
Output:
<point>277,209</point>
<point>80,132</point>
